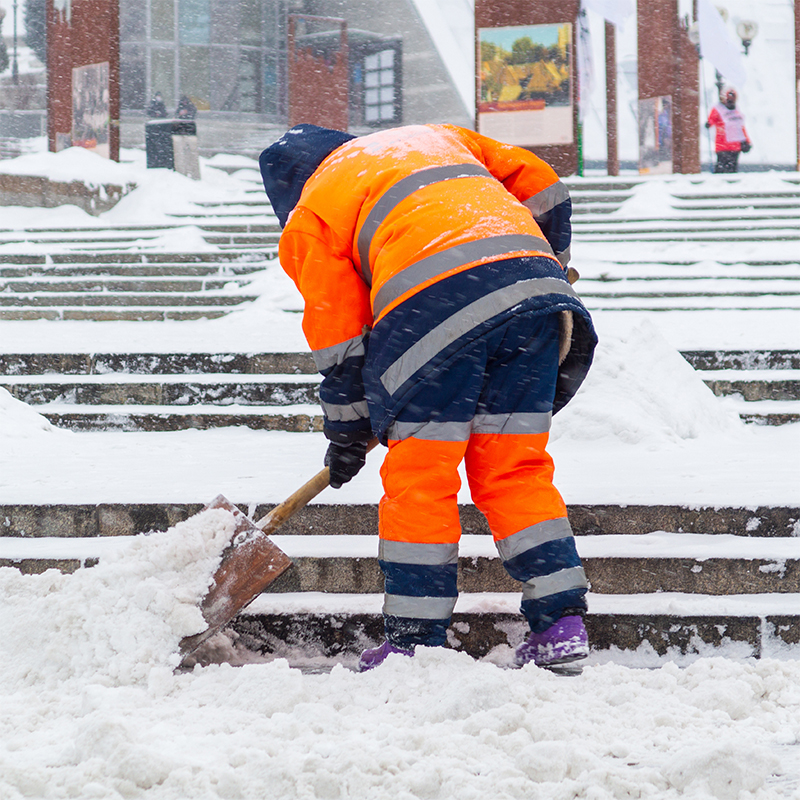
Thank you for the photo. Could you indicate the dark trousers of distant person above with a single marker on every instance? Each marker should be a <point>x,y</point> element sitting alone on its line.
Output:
<point>727,161</point>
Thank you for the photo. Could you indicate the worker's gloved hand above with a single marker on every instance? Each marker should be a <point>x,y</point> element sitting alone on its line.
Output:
<point>746,147</point>
<point>345,461</point>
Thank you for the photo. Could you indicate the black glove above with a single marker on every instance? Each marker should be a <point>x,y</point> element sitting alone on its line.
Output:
<point>345,461</point>
<point>746,147</point>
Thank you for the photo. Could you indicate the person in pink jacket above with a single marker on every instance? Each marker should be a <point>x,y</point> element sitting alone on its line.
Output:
<point>732,137</point>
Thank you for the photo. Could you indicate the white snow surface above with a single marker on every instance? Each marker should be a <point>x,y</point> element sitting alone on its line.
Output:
<point>90,704</point>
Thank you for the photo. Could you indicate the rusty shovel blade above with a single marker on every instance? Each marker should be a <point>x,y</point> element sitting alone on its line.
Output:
<point>249,564</point>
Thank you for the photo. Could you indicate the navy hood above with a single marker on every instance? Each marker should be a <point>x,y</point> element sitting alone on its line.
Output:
<point>287,164</point>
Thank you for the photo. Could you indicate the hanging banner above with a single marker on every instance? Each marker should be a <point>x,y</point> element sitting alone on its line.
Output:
<point>525,84</point>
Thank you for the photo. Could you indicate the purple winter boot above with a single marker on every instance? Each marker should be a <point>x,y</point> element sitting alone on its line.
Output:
<point>377,655</point>
<point>561,643</point>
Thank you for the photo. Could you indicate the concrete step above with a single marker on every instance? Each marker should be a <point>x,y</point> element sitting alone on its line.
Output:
<point>743,359</point>
<point>105,314</point>
<point>120,257</point>
<point>767,412</point>
<point>100,523</point>
<point>65,271</point>
<point>334,622</point>
<point>754,385</point>
<point>152,418</point>
<point>164,390</point>
<point>661,624</point>
<point>156,363</point>
<point>349,565</point>
<point>785,234</point>
<point>114,299</point>
<point>116,284</point>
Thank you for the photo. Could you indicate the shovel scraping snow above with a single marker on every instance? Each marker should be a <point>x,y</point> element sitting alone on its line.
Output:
<point>252,561</point>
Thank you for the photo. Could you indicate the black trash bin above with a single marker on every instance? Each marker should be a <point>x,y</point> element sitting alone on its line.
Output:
<point>158,144</point>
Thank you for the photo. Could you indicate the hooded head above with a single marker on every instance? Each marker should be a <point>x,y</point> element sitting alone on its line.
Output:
<point>728,97</point>
<point>287,164</point>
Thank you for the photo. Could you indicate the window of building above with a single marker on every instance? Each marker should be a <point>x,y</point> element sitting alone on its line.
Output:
<point>162,20</point>
<point>194,21</point>
<point>162,75</point>
<point>380,87</point>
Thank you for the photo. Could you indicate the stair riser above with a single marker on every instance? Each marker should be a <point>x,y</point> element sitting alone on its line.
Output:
<point>182,394</point>
<point>477,634</point>
<point>126,519</point>
<point>756,390</point>
<point>158,423</point>
<point>340,575</point>
<point>156,363</point>
<point>109,299</point>
<point>49,285</point>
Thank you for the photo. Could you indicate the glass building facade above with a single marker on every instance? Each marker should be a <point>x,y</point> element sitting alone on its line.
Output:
<point>231,56</point>
<point>226,55</point>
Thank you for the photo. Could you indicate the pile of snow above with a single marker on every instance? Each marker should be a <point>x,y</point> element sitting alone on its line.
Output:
<point>114,623</point>
<point>19,421</point>
<point>640,390</point>
<point>92,708</point>
<point>72,164</point>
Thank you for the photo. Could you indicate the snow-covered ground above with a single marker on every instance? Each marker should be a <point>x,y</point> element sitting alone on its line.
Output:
<point>90,705</point>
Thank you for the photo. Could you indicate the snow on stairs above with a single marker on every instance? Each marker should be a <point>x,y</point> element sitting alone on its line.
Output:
<point>721,577</point>
<point>279,391</point>
<point>124,286</point>
<point>688,591</point>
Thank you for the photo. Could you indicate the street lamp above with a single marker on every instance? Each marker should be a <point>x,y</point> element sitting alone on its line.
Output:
<point>746,31</point>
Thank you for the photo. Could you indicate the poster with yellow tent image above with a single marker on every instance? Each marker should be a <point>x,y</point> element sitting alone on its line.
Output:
<point>525,84</point>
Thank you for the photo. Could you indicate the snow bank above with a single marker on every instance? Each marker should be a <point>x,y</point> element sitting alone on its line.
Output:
<point>640,390</point>
<point>72,164</point>
<point>19,421</point>
<point>116,622</point>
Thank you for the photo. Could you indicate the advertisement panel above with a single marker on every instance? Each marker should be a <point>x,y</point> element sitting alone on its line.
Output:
<point>525,84</point>
<point>91,113</point>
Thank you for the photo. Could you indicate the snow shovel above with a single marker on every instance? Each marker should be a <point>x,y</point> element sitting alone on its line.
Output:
<point>251,561</point>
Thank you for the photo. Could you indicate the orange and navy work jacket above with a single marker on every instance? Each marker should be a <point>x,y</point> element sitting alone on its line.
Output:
<point>409,243</point>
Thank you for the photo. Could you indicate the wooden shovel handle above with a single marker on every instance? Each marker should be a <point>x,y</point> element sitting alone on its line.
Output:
<point>307,492</point>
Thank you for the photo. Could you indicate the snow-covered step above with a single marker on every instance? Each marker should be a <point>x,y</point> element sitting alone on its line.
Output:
<point>767,412</point>
<point>113,314</point>
<point>735,360</point>
<point>675,287</point>
<point>163,390</point>
<point>679,234</point>
<point>751,625</point>
<point>108,520</point>
<point>174,299</point>
<point>115,284</point>
<point>712,564</point>
<point>298,418</point>
<point>753,385</point>
<point>99,363</point>
<point>127,270</point>
<point>690,302</point>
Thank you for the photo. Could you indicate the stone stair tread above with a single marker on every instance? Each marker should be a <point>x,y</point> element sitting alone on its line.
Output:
<point>62,409</point>
<point>656,545</point>
<point>205,378</point>
<point>678,604</point>
<point>763,406</point>
<point>768,375</point>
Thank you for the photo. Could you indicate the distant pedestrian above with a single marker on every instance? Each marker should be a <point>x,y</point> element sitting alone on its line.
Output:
<point>157,108</point>
<point>732,137</point>
<point>186,108</point>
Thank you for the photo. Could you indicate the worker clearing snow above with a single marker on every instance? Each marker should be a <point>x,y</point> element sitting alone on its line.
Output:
<point>433,264</point>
